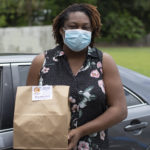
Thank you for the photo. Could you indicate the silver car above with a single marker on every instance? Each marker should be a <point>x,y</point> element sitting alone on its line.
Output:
<point>133,133</point>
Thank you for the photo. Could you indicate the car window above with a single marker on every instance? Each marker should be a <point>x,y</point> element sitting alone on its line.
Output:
<point>23,73</point>
<point>0,94</point>
<point>0,79</point>
<point>131,98</point>
<point>7,98</point>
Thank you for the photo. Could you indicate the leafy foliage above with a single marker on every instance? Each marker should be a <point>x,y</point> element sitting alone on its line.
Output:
<point>123,26</point>
<point>122,20</point>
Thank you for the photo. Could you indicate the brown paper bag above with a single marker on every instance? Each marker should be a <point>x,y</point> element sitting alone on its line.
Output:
<point>41,124</point>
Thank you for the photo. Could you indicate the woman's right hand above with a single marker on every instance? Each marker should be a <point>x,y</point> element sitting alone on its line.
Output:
<point>73,138</point>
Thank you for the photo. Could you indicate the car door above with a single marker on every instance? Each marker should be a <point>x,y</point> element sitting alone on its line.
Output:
<point>11,76</point>
<point>134,132</point>
<point>6,106</point>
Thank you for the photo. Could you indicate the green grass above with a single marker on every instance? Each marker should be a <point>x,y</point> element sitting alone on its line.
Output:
<point>135,58</point>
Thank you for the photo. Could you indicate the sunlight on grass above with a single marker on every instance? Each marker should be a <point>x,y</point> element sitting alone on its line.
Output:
<point>135,58</point>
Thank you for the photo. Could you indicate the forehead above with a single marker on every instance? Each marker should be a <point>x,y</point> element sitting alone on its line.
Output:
<point>78,17</point>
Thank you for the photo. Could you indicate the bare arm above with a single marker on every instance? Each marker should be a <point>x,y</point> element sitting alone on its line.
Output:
<point>34,72</point>
<point>117,110</point>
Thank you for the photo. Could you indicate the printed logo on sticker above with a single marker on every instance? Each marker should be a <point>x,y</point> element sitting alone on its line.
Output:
<point>36,90</point>
<point>40,93</point>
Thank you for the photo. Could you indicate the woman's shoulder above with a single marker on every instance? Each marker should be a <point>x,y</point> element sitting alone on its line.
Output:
<point>107,58</point>
<point>33,75</point>
<point>39,59</point>
<point>52,51</point>
<point>109,65</point>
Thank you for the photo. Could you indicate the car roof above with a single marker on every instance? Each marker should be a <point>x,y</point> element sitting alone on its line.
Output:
<point>136,82</point>
<point>13,57</point>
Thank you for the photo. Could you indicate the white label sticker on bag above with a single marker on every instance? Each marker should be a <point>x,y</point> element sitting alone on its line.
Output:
<point>41,93</point>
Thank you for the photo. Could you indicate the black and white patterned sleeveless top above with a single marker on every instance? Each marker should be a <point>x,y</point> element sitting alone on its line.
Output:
<point>87,93</point>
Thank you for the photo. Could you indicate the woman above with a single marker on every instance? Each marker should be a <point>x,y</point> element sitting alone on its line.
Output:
<point>96,96</point>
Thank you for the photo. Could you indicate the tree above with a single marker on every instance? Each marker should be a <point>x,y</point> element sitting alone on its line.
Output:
<point>122,27</point>
<point>56,6</point>
<point>20,12</point>
<point>121,19</point>
<point>124,20</point>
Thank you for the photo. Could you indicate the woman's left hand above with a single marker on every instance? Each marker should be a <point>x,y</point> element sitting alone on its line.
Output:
<point>73,138</point>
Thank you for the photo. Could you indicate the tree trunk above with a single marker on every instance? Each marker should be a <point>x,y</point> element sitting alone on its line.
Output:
<point>29,11</point>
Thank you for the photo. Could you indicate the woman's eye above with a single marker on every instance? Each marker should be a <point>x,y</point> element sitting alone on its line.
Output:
<point>86,28</point>
<point>72,27</point>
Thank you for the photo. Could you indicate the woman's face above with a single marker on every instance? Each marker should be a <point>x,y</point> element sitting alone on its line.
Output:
<point>76,40</point>
<point>77,20</point>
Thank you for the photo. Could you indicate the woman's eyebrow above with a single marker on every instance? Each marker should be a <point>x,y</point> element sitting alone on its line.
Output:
<point>77,22</point>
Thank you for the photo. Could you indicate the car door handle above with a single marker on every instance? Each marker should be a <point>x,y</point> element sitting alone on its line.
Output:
<point>138,126</point>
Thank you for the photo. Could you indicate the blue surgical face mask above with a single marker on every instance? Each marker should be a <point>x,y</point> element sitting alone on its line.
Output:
<point>77,39</point>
